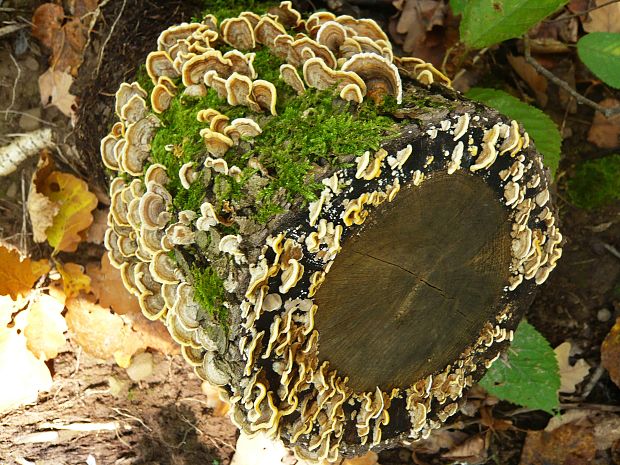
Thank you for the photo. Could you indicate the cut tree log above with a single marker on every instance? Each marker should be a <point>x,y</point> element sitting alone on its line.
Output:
<point>332,234</point>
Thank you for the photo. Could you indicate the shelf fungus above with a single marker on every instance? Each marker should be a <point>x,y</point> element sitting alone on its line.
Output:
<point>334,236</point>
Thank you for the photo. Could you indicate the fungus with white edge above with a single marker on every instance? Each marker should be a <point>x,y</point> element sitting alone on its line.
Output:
<point>311,236</point>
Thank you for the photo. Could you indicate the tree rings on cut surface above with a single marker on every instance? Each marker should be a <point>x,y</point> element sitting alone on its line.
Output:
<point>359,312</point>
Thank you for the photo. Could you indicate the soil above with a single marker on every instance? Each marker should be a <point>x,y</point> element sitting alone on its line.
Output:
<point>164,420</point>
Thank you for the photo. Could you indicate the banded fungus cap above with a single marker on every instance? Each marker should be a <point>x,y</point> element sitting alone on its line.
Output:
<point>273,294</point>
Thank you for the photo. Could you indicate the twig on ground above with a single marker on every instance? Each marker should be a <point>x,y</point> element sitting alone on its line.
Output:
<point>14,90</point>
<point>22,148</point>
<point>612,250</point>
<point>28,115</point>
<point>581,13</point>
<point>128,415</point>
<point>607,112</point>
<point>23,243</point>
<point>596,376</point>
<point>11,28</point>
<point>107,39</point>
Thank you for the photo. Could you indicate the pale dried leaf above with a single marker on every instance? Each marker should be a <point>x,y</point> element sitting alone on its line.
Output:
<point>472,450</point>
<point>570,375</point>
<point>54,89</point>
<point>141,367</point>
<point>605,132</point>
<point>260,450</point>
<point>107,285</point>
<point>96,232</point>
<point>23,375</point>
<point>45,326</point>
<point>605,19</point>
<point>214,399</point>
<point>40,208</point>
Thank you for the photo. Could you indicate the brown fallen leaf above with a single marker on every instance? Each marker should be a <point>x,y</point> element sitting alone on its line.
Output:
<point>537,82</point>
<point>45,327</point>
<point>570,375</point>
<point>46,20</point>
<point>570,444</point>
<point>65,34</point>
<point>472,450</point>
<point>105,334</point>
<point>74,216</point>
<point>107,286</point>
<point>605,132</point>
<point>605,19</point>
<point>18,276</point>
<point>73,278</point>
<point>610,353</point>
<point>41,209</point>
<point>54,88</point>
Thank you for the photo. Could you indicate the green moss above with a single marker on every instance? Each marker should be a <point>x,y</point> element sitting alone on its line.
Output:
<point>209,292</point>
<point>223,9</point>
<point>596,182</point>
<point>190,199</point>
<point>313,128</point>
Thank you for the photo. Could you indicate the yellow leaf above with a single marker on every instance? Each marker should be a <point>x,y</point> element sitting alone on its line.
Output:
<point>45,326</point>
<point>73,279</point>
<point>17,276</point>
<point>75,206</point>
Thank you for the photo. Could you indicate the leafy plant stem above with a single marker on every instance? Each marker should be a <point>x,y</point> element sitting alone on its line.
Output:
<point>607,112</point>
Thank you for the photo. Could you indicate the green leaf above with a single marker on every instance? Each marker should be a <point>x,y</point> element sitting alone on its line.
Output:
<point>488,22</point>
<point>600,51</point>
<point>528,374</point>
<point>458,6</point>
<point>595,182</point>
<point>540,127</point>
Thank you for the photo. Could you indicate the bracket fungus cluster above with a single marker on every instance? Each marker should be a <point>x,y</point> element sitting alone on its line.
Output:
<point>346,300</point>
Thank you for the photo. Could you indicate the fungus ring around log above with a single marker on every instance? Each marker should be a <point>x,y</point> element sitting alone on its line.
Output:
<point>334,236</point>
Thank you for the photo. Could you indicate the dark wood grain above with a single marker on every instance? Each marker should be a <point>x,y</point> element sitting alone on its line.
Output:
<point>413,289</point>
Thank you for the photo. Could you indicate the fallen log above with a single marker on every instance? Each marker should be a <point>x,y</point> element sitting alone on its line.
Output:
<point>333,235</point>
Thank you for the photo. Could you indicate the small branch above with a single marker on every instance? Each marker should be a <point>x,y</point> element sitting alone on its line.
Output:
<point>581,13</point>
<point>607,112</point>
<point>107,39</point>
<point>14,90</point>
<point>11,28</point>
<point>23,147</point>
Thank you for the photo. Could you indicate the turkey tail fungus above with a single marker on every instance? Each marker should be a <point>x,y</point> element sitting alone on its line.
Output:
<point>334,236</point>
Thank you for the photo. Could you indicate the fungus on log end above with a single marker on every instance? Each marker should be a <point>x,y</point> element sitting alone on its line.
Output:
<point>333,235</point>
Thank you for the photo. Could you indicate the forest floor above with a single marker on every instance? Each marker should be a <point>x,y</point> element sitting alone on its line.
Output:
<point>165,417</point>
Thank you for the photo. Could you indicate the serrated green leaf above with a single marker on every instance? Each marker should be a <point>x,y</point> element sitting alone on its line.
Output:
<point>595,182</point>
<point>528,374</point>
<point>600,51</point>
<point>540,127</point>
<point>488,22</point>
<point>458,6</point>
